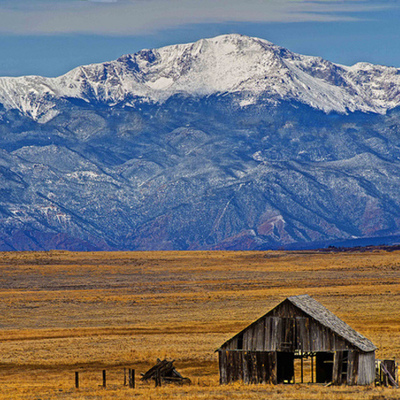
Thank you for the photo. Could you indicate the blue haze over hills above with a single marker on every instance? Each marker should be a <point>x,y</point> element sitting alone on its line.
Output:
<point>227,143</point>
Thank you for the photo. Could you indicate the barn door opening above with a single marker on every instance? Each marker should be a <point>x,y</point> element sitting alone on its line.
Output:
<point>324,367</point>
<point>285,367</point>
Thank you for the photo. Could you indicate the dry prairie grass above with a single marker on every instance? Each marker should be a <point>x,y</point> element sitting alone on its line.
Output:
<point>63,312</point>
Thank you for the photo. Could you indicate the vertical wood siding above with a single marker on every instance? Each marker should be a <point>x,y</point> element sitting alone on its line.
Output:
<point>247,366</point>
<point>352,376</point>
<point>286,329</point>
<point>366,368</point>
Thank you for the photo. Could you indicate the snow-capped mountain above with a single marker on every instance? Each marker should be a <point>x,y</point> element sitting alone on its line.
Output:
<point>226,143</point>
<point>252,68</point>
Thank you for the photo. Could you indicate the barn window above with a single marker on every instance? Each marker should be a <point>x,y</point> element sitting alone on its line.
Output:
<point>240,342</point>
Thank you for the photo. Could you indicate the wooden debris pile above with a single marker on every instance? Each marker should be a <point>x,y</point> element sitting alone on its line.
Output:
<point>164,371</point>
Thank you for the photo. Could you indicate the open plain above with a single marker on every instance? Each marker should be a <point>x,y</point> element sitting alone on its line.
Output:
<point>63,312</point>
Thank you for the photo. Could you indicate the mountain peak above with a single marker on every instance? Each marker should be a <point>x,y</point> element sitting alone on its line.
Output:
<point>252,69</point>
<point>185,147</point>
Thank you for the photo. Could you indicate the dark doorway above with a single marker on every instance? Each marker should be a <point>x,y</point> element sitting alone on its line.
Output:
<point>285,367</point>
<point>240,342</point>
<point>324,367</point>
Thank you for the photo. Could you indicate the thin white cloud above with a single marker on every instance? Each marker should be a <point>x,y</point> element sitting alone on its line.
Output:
<point>130,17</point>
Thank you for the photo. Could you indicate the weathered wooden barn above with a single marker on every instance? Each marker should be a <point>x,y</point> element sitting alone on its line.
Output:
<point>299,331</point>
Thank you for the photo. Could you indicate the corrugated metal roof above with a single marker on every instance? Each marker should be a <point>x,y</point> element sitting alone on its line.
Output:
<point>321,314</point>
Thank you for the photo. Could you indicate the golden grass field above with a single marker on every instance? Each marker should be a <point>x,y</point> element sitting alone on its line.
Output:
<point>63,312</point>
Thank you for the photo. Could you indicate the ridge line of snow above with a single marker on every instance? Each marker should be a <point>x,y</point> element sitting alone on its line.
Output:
<point>252,68</point>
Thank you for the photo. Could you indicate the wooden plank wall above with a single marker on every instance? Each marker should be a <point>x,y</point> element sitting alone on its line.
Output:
<point>247,366</point>
<point>352,375</point>
<point>366,368</point>
<point>345,367</point>
<point>360,368</point>
<point>288,329</point>
<point>288,334</point>
<point>337,368</point>
<point>261,367</point>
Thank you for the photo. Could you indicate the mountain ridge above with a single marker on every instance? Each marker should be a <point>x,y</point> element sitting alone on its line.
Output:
<point>251,67</point>
<point>194,169</point>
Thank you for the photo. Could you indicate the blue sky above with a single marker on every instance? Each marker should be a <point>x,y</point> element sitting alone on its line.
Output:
<point>50,37</point>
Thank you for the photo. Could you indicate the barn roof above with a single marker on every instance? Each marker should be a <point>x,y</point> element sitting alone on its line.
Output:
<point>325,317</point>
<point>321,314</point>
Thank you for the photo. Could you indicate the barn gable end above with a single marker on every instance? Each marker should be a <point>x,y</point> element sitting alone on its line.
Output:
<point>301,327</point>
<point>300,320</point>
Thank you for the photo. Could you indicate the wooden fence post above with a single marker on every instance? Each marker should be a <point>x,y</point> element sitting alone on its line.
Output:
<point>158,378</point>
<point>104,379</point>
<point>312,368</point>
<point>77,379</point>
<point>131,378</point>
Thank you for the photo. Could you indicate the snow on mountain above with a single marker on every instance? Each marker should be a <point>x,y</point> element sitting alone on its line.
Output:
<point>253,69</point>
<point>218,144</point>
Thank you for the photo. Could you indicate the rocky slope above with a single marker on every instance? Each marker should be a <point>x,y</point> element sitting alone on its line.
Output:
<point>226,143</point>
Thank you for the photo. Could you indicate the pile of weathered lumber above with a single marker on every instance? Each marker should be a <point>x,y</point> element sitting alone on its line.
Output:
<point>164,371</point>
